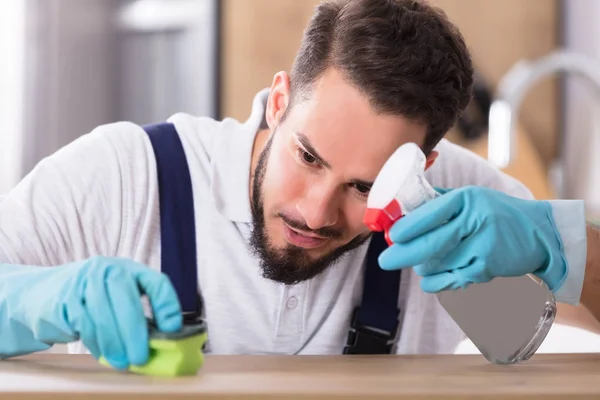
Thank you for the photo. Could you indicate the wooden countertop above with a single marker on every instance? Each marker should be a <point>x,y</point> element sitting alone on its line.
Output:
<point>53,376</point>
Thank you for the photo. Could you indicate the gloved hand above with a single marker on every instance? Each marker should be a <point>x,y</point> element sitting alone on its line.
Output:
<point>97,300</point>
<point>473,234</point>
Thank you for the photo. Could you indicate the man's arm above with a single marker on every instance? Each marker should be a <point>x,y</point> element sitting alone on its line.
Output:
<point>587,314</point>
<point>580,243</point>
<point>590,295</point>
<point>79,202</point>
<point>94,197</point>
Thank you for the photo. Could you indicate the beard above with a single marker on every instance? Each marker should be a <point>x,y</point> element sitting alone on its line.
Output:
<point>291,264</point>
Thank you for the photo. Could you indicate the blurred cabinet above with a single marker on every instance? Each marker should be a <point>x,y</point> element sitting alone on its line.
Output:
<point>259,38</point>
<point>500,33</point>
<point>92,62</point>
<point>167,59</point>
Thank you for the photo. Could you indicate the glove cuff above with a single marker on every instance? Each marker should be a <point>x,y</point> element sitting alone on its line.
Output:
<point>568,218</point>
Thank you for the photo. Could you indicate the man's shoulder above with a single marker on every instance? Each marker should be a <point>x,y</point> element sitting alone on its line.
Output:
<point>193,124</point>
<point>210,134</point>
<point>456,163</point>
<point>193,130</point>
<point>458,166</point>
<point>204,133</point>
<point>452,152</point>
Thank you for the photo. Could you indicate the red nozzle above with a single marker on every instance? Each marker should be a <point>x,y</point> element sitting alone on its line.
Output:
<point>387,237</point>
<point>379,220</point>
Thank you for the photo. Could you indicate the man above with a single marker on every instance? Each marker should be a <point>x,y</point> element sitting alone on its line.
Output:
<point>278,200</point>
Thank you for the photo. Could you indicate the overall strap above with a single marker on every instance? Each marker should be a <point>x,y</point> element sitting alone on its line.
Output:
<point>177,219</point>
<point>375,321</point>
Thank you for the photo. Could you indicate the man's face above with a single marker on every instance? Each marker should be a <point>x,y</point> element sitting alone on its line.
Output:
<point>312,179</point>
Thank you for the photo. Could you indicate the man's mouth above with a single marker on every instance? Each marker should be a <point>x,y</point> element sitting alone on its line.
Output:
<point>305,240</point>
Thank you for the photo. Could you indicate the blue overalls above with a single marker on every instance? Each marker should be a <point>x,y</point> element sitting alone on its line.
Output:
<point>374,322</point>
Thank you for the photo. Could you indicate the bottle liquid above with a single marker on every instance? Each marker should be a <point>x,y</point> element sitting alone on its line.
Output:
<point>507,319</point>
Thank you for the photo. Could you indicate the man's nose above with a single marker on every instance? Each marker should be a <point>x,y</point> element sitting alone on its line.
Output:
<point>319,208</point>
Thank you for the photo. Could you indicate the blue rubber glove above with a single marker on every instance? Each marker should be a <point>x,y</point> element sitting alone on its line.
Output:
<point>473,234</point>
<point>97,301</point>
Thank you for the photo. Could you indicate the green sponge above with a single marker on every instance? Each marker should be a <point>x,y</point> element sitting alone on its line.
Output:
<point>172,354</point>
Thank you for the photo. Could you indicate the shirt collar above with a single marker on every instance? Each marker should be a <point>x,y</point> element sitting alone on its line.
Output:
<point>231,162</point>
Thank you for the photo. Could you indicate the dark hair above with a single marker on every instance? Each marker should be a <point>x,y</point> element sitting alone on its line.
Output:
<point>404,55</point>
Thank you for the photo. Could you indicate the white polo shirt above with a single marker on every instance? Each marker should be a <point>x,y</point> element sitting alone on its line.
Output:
<point>98,196</point>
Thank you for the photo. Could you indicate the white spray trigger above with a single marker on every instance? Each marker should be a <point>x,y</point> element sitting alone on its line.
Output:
<point>399,188</point>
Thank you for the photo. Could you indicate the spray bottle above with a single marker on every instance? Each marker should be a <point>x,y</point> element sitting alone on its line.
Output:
<point>507,319</point>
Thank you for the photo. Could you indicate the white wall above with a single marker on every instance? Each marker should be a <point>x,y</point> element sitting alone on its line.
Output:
<point>581,135</point>
<point>12,38</point>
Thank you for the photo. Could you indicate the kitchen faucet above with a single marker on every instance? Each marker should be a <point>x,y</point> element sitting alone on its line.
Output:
<point>513,87</point>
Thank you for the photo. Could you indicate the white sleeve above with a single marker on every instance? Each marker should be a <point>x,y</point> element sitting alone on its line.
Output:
<point>74,203</point>
<point>569,219</point>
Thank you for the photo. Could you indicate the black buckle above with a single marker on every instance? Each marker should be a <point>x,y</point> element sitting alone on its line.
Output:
<point>367,340</point>
<point>191,318</point>
<point>194,317</point>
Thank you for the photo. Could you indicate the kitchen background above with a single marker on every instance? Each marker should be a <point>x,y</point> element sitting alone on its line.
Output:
<point>70,65</point>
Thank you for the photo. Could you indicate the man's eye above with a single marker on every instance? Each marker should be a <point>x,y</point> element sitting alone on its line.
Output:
<point>362,189</point>
<point>307,157</point>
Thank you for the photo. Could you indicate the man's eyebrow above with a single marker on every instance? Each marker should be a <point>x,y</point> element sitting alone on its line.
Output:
<point>308,147</point>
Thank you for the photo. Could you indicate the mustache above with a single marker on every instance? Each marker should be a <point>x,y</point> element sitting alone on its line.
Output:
<point>325,232</point>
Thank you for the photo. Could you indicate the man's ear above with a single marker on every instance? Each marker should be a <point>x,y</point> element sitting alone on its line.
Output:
<point>431,159</point>
<point>279,98</point>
